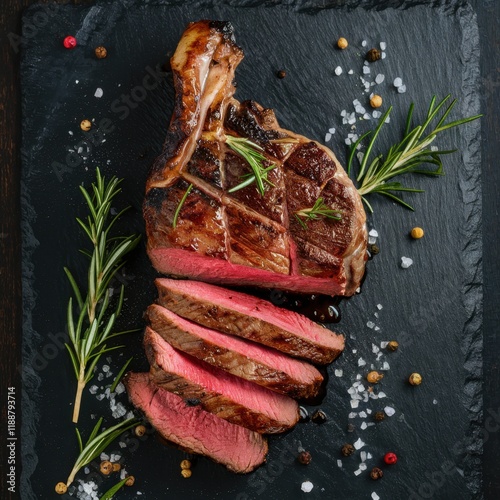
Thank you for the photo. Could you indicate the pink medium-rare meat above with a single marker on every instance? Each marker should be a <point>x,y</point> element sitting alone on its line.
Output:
<point>231,398</point>
<point>246,316</point>
<point>244,237</point>
<point>195,430</point>
<point>248,360</point>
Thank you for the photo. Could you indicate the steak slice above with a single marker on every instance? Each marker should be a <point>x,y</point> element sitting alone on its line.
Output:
<point>246,316</point>
<point>256,363</point>
<point>231,398</point>
<point>244,237</point>
<point>194,429</point>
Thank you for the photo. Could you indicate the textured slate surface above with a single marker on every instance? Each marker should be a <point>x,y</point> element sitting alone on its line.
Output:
<point>433,308</point>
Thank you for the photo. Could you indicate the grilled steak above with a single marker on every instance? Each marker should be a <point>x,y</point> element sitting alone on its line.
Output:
<point>256,363</point>
<point>195,430</point>
<point>254,319</point>
<point>244,237</point>
<point>231,398</point>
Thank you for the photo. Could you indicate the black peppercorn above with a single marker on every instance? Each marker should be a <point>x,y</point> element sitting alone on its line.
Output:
<point>374,249</point>
<point>347,450</point>
<point>319,417</point>
<point>350,428</point>
<point>379,416</point>
<point>373,55</point>
<point>281,74</point>
<point>304,458</point>
<point>192,402</point>
<point>303,414</point>
<point>376,473</point>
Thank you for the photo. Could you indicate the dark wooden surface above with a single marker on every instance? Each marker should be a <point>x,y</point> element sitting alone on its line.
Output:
<point>10,235</point>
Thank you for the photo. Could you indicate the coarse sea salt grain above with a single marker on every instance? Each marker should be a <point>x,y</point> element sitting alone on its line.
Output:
<point>375,496</point>
<point>339,462</point>
<point>366,70</point>
<point>363,466</point>
<point>402,89</point>
<point>339,372</point>
<point>370,324</point>
<point>328,136</point>
<point>379,78</point>
<point>361,362</point>
<point>398,82</point>
<point>382,395</point>
<point>434,402</point>
<point>362,455</point>
<point>363,414</point>
<point>406,262</point>
<point>359,444</point>
<point>389,411</point>
<point>363,43</point>
<point>374,233</point>
<point>353,414</point>
<point>331,130</point>
<point>386,366</point>
<point>384,55</point>
<point>354,403</point>
<point>306,486</point>
<point>104,456</point>
<point>383,45</point>
<point>98,93</point>
<point>338,70</point>
<point>363,426</point>
<point>93,389</point>
<point>383,344</point>
<point>357,472</point>
<point>350,72</point>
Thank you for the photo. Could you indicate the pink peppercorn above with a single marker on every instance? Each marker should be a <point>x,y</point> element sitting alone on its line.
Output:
<point>390,458</point>
<point>69,42</point>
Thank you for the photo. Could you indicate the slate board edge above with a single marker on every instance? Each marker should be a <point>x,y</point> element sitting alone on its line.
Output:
<point>472,292</point>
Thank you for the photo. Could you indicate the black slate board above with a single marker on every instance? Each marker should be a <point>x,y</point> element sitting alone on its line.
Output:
<point>433,308</point>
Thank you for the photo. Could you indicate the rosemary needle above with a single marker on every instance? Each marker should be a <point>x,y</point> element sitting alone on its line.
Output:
<point>318,210</point>
<point>252,154</point>
<point>407,156</point>
<point>179,206</point>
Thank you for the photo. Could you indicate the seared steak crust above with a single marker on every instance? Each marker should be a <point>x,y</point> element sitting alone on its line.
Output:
<point>243,237</point>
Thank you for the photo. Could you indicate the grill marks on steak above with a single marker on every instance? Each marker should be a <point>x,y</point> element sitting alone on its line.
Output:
<point>195,430</point>
<point>248,360</point>
<point>246,316</point>
<point>231,398</point>
<point>251,238</point>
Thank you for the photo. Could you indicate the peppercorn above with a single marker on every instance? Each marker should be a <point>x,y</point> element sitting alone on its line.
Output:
<point>130,481</point>
<point>373,55</point>
<point>376,473</point>
<point>281,74</point>
<point>390,458</point>
<point>415,379</point>
<point>61,488</point>
<point>86,125</point>
<point>347,450</point>
<point>374,249</point>
<point>185,464</point>
<point>376,101</point>
<point>193,402</point>
<point>106,467</point>
<point>116,467</point>
<point>304,458</point>
<point>417,233</point>
<point>350,428</point>
<point>186,473</point>
<point>100,52</point>
<point>374,377</point>
<point>379,416</point>
<point>140,430</point>
<point>392,346</point>
<point>319,417</point>
<point>342,43</point>
<point>69,42</point>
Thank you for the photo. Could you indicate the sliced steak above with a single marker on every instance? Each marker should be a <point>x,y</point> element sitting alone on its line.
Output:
<point>195,430</point>
<point>244,237</point>
<point>255,319</point>
<point>231,398</point>
<point>249,360</point>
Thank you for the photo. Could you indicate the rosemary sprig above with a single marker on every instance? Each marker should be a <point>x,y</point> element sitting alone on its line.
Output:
<point>114,489</point>
<point>318,210</point>
<point>91,328</point>
<point>406,156</point>
<point>179,206</point>
<point>252,154</point>
<point>97,443</point>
